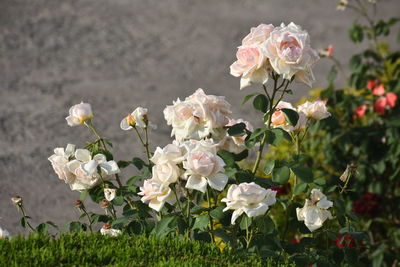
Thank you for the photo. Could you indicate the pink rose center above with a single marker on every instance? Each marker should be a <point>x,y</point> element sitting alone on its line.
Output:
<point>290,49</point>
<point>248,56</point>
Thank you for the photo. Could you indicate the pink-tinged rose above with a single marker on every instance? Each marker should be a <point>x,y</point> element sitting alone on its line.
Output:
<point>251,65</point>
<point>371,84</point>
<point>316,109</point>
<point>360,111</point>
<point>166,173</point>
<point>235,144</point>
<point>378,90</point>
<point>391,99</point>
<point>380,105</point>
<point>249,198</point>
<point>258,35</point>
<point>156,195</point>
<point>198,116</point>
<point>278,119</point>
<point>204,168</point>
<point>290,54</point>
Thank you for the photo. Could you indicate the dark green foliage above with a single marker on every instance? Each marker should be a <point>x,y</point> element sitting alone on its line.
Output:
<point>98,250</point>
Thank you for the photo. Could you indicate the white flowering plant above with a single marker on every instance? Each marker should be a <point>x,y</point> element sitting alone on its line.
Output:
<point>201,186</point>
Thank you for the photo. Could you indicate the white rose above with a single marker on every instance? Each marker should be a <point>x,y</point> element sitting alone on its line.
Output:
<point>249,198</point>
<point>235,144</point>
<point>170,153</point>
<point>109,193</point>
<point>290,53</point>
<point>315,211</point>
<point>85,169</point>
<point>316,110</point>
<point>166,173</point>
<point>59,161</point>
<point>137,118</point>
<point>79,113</point>
<point>4,233</point>
<point>156,195</point>
<point>204,168</point>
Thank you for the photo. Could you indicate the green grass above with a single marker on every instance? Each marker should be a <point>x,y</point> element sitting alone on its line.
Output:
<point>97,250</point>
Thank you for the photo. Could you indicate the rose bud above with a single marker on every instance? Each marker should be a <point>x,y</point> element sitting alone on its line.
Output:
<point>109,193</point>
<point>106,226</point>
<point>17,200</point>
<point>104,204</point>
<point>78,204</point>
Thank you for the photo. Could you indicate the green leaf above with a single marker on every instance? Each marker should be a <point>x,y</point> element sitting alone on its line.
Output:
<point>332,75</point>
<point>356,33</point>
<point>217,213</point>
<point>320,181</point>
<point>42,228</point>
<point>269,166</point>
<point>260,103</point>
<point>245,222</point>
<point>247,98</point>
<point>265,224</point>
<point>228,157</point>
<point>257,133</point>
<point>118,201</point>
<point>237,129</point>
<point>162,227</point>
<point>300,188</point>
<point>279,135</point>
<point>120,222</point>
<point>201,222</point>
<point>291,116</point>
<point>281,175</point>
<point>75,227</point>
<point>303,172</point>
<point>139,163</point>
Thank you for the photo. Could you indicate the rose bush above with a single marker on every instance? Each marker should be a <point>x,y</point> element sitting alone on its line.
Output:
<point>201,187</point>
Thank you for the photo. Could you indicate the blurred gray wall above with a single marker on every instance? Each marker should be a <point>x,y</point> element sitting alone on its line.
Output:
<point>117,55</point>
